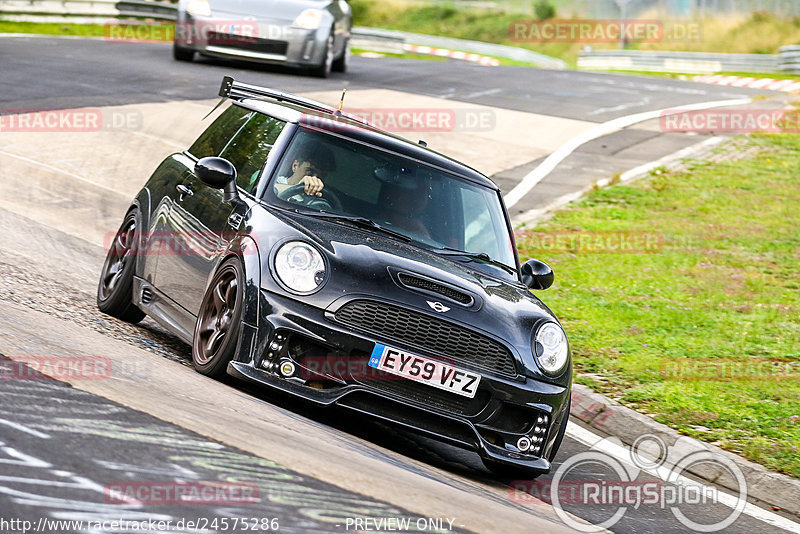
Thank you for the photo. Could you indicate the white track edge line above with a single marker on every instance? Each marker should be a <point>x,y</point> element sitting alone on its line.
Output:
<point>551,161</point>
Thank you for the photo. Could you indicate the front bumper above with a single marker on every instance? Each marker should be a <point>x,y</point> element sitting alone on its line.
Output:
<point>263,41</point>
<point>329,363</point>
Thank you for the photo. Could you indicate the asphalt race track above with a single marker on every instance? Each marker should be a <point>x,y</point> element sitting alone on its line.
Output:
<point>63,445</point>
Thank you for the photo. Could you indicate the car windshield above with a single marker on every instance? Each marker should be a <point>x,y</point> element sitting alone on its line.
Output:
<point>428,206</point>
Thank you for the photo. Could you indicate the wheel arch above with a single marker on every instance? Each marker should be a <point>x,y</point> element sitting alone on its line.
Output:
<point>142,204</point>
<point>245,249</point>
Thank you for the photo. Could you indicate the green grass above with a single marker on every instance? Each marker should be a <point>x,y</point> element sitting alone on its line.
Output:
<point>491,26</point>
<point>52,28</point>
<point>152,31</point>
<point>756,33</point>
<point>724,290</point>
<point>164,32</point>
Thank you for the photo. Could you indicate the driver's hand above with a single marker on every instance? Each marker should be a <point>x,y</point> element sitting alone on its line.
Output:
<point>313,185</point>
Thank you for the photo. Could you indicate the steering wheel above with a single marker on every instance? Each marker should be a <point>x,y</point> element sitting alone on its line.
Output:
<point>328,200</point>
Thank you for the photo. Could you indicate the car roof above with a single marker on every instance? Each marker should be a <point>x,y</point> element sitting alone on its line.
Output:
<point>361,131</point>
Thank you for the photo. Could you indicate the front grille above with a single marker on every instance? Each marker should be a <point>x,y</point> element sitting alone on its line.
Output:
<point>250,44</point>
<point>430,334</point>
<point>429,395</point>
<point>417,282</point>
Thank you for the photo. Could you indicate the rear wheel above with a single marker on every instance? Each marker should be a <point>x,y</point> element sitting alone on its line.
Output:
<point>115,289</point>
<point>216,332</point>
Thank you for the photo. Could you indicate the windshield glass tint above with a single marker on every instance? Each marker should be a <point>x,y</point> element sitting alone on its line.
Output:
<point>430,206</point>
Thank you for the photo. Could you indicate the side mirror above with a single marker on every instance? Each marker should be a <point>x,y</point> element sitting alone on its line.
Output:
<point>218,173</point>
<point>537,274</point>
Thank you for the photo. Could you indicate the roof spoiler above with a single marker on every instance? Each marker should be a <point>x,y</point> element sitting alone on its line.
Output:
<point>238,91</point>
<point>234,90</point>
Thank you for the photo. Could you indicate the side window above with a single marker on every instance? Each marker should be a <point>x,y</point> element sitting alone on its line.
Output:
<point>216,137</point>
<point>476,222</point>
<point>250,147</point>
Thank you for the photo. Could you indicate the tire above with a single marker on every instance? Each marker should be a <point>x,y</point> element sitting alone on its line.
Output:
<point>323,70</point>
<point>216,332</point>
<point>182,54</point>
<point>343,62</point>
<point>115,288</point>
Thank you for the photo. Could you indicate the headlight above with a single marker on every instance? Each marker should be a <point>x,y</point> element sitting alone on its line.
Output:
<point>550,348</point>
<point>299,266</point>
<point>309,19</point>
<point>199,7</point>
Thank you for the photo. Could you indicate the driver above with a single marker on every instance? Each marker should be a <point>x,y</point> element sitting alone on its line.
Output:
<point>310,162</point>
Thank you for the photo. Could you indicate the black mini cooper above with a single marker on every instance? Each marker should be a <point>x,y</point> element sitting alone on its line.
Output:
<point>305,250</point>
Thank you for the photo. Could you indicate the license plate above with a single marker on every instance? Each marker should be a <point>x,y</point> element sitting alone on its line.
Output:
<point>434,373</point>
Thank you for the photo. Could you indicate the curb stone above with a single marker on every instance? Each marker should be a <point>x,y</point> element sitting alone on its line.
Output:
<point>610,417</point>
<point>474,47</point>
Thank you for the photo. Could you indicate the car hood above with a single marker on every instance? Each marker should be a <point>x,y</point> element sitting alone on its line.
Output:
<point>265,9</point>
<point>365,263</point>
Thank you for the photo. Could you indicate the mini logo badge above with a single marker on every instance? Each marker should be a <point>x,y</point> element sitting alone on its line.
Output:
<point>437,306</point>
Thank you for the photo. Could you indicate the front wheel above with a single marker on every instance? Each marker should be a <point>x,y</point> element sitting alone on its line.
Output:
<point>324,68</point>
<point>216,332</point>
<point>343,62</point>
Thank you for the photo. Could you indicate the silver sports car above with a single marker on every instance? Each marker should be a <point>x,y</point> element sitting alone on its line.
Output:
<point>311,34</point>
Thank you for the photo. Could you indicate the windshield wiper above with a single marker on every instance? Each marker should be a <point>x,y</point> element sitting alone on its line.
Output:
<point>363,222</point>
<point>479,256</point>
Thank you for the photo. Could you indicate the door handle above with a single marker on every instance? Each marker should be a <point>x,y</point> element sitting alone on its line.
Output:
<point>183,191</point>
